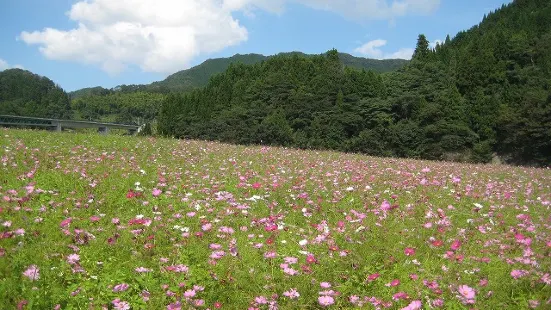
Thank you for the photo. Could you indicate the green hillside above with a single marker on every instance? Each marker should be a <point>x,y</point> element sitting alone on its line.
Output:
<point>199,75</point>
<point>25,93</point>
<point>482,93</point>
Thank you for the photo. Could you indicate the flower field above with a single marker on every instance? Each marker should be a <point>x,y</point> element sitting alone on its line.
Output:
<point>111,222</point>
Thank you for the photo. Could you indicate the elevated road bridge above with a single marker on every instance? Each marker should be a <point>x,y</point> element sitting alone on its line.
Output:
<point>60,124</point>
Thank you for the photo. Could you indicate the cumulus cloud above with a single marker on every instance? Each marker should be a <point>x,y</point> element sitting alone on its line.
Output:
<point>372,49</point>
<point>158,36</point>
<point>4,65</point>
<point>165,35</point>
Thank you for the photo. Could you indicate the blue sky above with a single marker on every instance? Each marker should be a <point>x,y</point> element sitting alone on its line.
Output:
<point>112,42</point>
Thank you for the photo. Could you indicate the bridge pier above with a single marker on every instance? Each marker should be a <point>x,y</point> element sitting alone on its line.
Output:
<point>103,130</point>
<point>57,127</point>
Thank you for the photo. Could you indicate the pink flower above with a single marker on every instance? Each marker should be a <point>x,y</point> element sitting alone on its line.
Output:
<point>516,274</point>
<point>261,300</point>
<point>120,287</point>
<point>156,192</point>
<point>393,283</point>
<point>466,291</point>
<point>292,293</point>
<point>326,301</point>
<point>373,277</point>
<point>325,285</point>
<point>414,305</point>
<point>65,222</point>
<point>409,251</point>
<point>142,269</point>
<point>120,305</point>
<point>178,268</point>
<point>270,254</point>
<point>438,303</point>
<point>400,295</point>
<point>310,259</point>
<point>32,272</point>
<point>73,259</point>
<point>290,260</point>
<point>455,245</point>
<point>189,294</point>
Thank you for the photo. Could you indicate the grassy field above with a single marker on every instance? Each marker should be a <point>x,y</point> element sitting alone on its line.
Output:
<point>110,222</point>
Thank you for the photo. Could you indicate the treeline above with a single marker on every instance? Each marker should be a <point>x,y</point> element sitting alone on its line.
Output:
<point>25,93</point>
<point>128,108</point>
<point>485,92</point>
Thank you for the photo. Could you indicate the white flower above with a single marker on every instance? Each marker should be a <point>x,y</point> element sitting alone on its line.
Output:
<point>303,242</point>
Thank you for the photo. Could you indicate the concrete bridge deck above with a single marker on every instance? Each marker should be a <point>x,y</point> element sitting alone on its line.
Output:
<point>60,124</point>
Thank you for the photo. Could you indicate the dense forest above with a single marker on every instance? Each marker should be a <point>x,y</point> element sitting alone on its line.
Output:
<point>25,93</point>
<point>484,92</point>
<point>141,103</point>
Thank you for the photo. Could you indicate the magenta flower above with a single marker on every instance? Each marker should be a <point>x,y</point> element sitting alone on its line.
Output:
<point>393,283</point>
<point>409,251</point>
<point>373,277</point>
<point>455,245</point>
<point>65,222</point>
<point>326,301</point>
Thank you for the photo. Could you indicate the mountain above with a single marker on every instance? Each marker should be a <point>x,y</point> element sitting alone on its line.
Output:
<point>25,93</point>
<point>483,95</point>
<point>199,75</point>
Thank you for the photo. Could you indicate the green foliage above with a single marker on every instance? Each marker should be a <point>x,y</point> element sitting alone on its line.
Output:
<point>25,93</point>
<point>131,108</point>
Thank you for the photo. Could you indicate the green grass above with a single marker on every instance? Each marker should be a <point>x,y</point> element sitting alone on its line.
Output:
<point>334,201</point>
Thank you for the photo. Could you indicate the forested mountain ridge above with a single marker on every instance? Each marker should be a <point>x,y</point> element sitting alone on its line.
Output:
<point>198,76</point>
<point>484,92</point>
<point>25,93</point>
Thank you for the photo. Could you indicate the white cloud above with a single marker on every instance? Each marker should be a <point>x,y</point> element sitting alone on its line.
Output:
<point>158,36</point>
<point>374,9</point>
<point>403,53</point>
<point>165,35</point>
<point>4,65</point>
<point>372,49</point>
<point>434,43</point>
